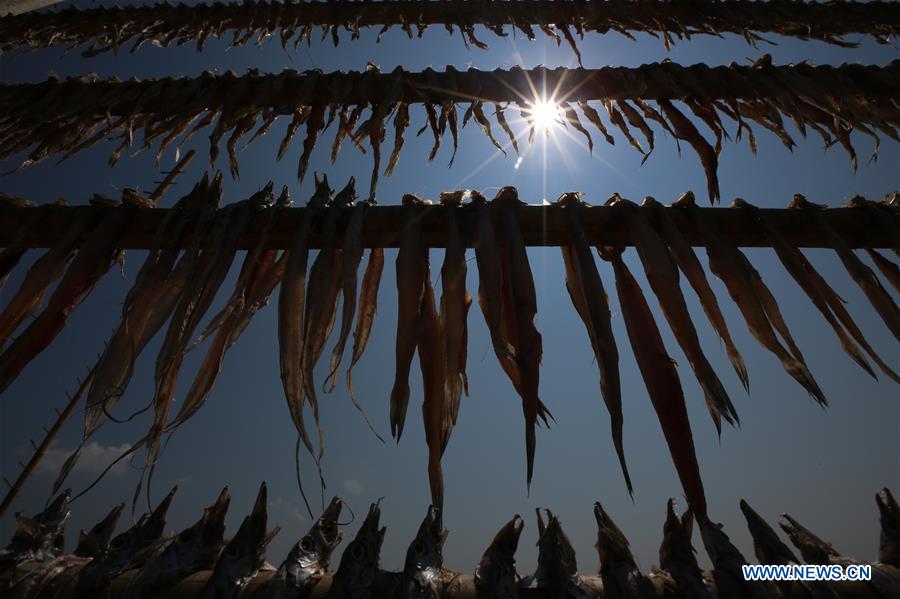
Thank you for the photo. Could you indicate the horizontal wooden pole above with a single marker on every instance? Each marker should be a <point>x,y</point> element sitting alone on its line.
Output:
<point>542,225</point>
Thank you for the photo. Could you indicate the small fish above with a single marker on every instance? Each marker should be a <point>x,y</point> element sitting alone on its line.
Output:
<point>192,550</point>
<point>677,555</point>
<point>243,556</point>
<point>496,574</point>
<point>693,271</point>
<point>423,572</point>
<point>661,379</point>
<point>621,577</point>
<point>307,560</point>
<point>889,544</point>
<point>589,297</point>
<point>96,541</point>
<point>662,274</point>
<point>862,274</point>
<point>368,304</point>
<point>356,574</point>
<point>557,569</point>
<point>727,561</point>
<point>411,265</point>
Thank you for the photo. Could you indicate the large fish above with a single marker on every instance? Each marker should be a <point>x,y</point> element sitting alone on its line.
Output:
<point>518,309</point>
<point>677,554</point>
<point>693,271</point>
<point>291,308</point>
<point>662,274</point>
<point>412,265</point>
<point>423,571</point>
<point>308,559</point>
<point>368,304</point>
<point>589,297</point>
<point>557,569</point>
<point>356,574</point>
<point>496,574</point>
<point>889,515</point>
<point>862,274</point>
<point>94,259</point>
<point>192,550</point>
<point>95,542</point>
<point>661,379</point>
<point>243,556</point>
<point>618,569</point>
<point>454,309</point>
<point>732,267</point>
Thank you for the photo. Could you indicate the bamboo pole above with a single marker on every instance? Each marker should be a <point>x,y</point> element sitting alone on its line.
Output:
<point>173,174</point>
<point>541,225</point>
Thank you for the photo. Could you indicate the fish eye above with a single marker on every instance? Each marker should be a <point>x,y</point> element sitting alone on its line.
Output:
<point>306,544</point>
<point>419,547</point>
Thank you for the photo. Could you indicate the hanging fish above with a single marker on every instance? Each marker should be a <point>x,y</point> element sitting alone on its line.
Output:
<point>888,269</point>
<point>618,569</point>
<point>359,568</point>
<point>590,300</point>
<point>368,304</point>
<point>496,574</point>
<point>677,555</point>
<point>660,378</point>
<point>557,569</point>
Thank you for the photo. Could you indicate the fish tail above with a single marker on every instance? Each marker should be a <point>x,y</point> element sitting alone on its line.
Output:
<point>358,406</point>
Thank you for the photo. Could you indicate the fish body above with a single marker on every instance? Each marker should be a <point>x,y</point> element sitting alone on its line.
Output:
<point>496,574</point>
<point>889,544</point>
<point>435,414</point>
<point>589,297</point>
<point>359,567</point>
<point>33,584</point>
<point>621,577</point>
<point>677,555</point>
<point>661,379</point>
<point>192,550</point>
<point>727,561</point>
<point>557,569</point>
<point>96,541</point>
<point>411,265</point>
<point>38,537</point>
<point>308,559</point>
<point>243,556</point>
<point>423,574</point>
<point>368,305</point>
<point>890,270</point>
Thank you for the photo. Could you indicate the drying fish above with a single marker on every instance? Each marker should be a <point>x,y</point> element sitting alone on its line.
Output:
<point>455,303</point>
<point>34,583</point>
<point>423,572</point>
<point>39,537</point>
<point>819,292</point>
<point>693,272</point>
<point>677,555</point>
<point>733,269</point>
<point>243,556</point>
<point>322,297</point>
<point>662,274</point>
<point>727,561</point>
<point>430,342</point>
<point>519,306</point>
<point>368,303</point>
<point>412,265</point>
<point>685,129</point>
<point>95,542</point>
<point>192,550</point>
<point>132,548</point>
<point>94,259</point>
<point>12,254</point>
<point>888,269</point>
<point>358,570</point>
<point>496,574</point>
<point>557,569</point>
<point>862,274</point>
<point>308,560</point>
<point>660,378</point>
<point>889,544</point>
<point>621,577</point>
<point>586,290</point>
<point>291,307</point>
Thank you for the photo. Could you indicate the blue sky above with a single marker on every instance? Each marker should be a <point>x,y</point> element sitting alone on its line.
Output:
<point>822,466</point>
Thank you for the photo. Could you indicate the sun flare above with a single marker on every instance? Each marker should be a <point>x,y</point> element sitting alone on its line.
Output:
<point>545,114</point>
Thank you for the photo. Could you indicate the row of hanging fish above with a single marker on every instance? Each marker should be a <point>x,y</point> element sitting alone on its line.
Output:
<point>64,117</point>
<point>111,28</point>
<point>144,561</point>
<point>178,287</point>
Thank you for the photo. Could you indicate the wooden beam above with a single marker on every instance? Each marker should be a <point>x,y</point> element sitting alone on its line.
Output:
<point>545,225</point>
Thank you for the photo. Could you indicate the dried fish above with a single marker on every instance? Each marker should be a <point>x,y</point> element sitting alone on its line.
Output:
<point>727,561</point>
<point>496,574</point>
<point>356,574</point>
<point>618,569</point>
<point>660,378</point>
<point>685,129</point>
<point>435,412</point>
<point>889,513</point>
<point>423,571</point>
<point>368,303</point>
<point>557,569</point>
<point>95,542</point>
<point>888,269</point>
<point>589,297</point>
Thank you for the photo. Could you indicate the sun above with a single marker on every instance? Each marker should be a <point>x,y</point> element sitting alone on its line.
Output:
<point>545,113</point>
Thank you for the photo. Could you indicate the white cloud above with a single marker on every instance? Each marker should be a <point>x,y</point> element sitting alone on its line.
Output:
<point>93,460</point>
<point>352,486</point>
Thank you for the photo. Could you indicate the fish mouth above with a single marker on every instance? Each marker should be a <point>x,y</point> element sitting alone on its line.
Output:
<point>433,523</point>
<point>215,515</point>
<point>373,519</point>
<point>518,524</point>
<point>753,519</point>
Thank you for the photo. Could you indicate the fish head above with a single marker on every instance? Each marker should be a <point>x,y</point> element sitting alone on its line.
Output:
<point>409,199</point>
<point>308,559</point>
<point>91,544</point>
<point>556,556</point>
<point>322,195</point>
<point>346,196</point>
<point>284,200</point>
<point>426,552</point>
<point>889,546</point>
<point>686,200</point>
<point>570,198</point>
<point>477,198</point>
<point>496,573</point>
<point>246,552</point>
<point>509,194</point>
<point>798,201</point>
<point>150,527</point>
<point>612,545</point>
<point>199,545</point>
<point>768,547</point>
<point>813,549</point>
<point>721,550</point>
<point>676,545</point>
<point>650,202</point>
<point>264,198</point>
<point>453,198</point>
<point>359,564</point>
